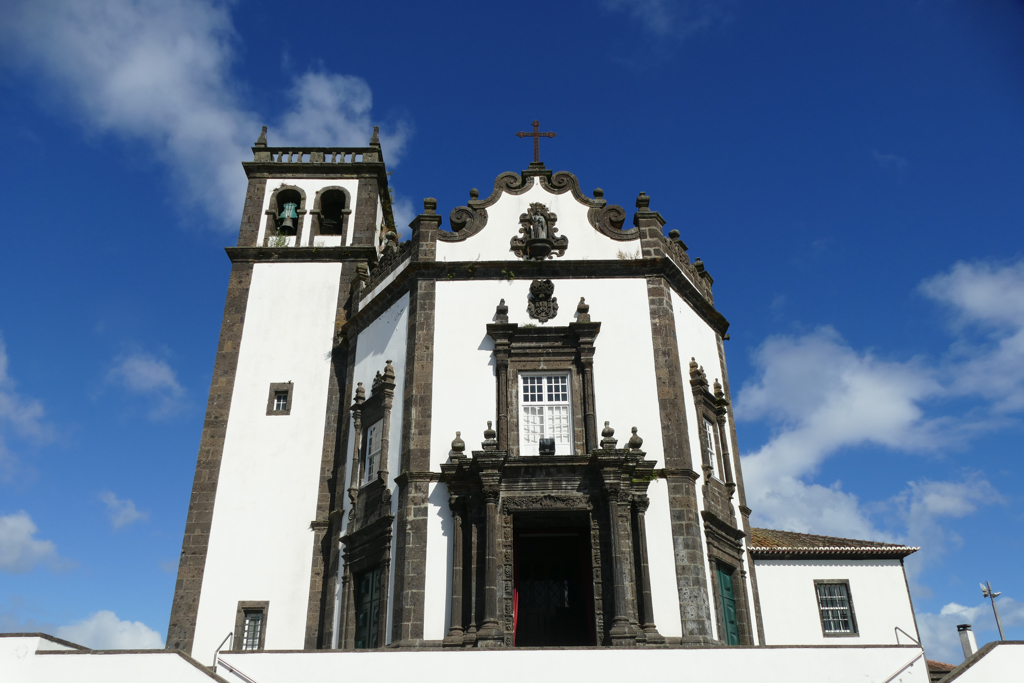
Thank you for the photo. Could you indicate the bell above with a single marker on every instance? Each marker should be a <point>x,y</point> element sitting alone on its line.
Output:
<point>287,214</point>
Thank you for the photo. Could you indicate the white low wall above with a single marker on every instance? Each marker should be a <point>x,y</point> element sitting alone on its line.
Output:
<point>1000,662</point>
<point>789,665</point>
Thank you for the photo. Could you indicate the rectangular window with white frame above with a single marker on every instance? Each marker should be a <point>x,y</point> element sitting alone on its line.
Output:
<point>835,605</point>
<point>371,461</point>
<point>251,625</point>
<point>545,412</point>
<point>709,432</point>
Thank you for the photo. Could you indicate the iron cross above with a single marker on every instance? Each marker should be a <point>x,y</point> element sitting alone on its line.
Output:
<point>536,135</point>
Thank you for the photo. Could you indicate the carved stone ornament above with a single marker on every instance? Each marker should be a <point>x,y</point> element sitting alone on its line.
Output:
<point>538,239</point>
<point>542,306</point>
<point>546,502</point>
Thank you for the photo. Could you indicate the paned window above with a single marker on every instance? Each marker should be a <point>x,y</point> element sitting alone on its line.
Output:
<point>368,609</point>
<point>252,629</point>
<point>371,463</point>
<point>836,608</point>
<point>709,432</point>
<point>544,413</point>
<point>280,400</point>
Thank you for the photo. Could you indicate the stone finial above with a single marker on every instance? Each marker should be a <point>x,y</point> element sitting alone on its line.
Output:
<point>490,442</point>
<point>635,442</point>
<point>598,193</point>
<point>375,140</point>
<point>582,311</point>
<point>474,193</point>
<point>389,371</point>
<point>643,202</point>
<point>694,368</point>
<point>501,312</point>
<point>608,440</point>
<point>430,206</point>
<point>673,234</point>
<point>698,264</point>
<point>261,141</point>
<point>718,390</point>
<point>458,445</point>
<point>360,393</point>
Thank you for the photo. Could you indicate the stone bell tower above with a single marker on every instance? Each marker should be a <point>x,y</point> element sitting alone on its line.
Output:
<point>252,558</point>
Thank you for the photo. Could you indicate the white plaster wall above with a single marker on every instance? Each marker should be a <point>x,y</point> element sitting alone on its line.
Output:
<point>492,243</point>
<point>384,339</point>
<point>1004,662</point>
<point>157,666</point>
<point>260,541</point>
<point>789,605</point>
<point>625,384</point>
<point>764,665</point>
<point>438,587</point>
<point>310,186</point>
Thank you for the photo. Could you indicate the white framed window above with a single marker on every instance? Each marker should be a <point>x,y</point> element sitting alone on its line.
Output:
<point>545,412</point>
<point>371,461</point>
<point>836,608</point>
<point>252,629</point>
<point>280,400</point>
<point>709,432</point>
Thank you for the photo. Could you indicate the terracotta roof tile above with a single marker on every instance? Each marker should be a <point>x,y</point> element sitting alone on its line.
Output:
<point>775,542</point>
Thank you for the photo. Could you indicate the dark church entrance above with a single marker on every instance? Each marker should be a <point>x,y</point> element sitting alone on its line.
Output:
<point>553,588</point>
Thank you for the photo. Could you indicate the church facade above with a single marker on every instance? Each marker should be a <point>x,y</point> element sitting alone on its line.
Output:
<point>511,431</point>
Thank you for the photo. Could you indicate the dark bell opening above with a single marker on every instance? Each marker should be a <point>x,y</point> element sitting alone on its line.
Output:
<point>547,446</point>
<point>332,204</point>
<point>286,224</point>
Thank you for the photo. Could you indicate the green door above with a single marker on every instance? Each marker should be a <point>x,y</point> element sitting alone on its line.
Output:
<point>732,631</point>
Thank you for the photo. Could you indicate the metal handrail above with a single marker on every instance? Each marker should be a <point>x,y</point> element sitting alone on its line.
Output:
<point>237,671</point>
<point>901,669</point>
<point>217,651</point>
<point>899,631</point>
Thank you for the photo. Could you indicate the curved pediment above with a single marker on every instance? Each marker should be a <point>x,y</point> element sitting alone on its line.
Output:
<point>531,208</point>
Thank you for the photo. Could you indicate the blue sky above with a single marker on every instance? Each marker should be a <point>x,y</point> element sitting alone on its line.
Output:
<point>850,173</point>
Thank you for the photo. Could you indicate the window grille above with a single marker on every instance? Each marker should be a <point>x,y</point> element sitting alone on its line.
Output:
<point>545,413</point>
<point>836,609</point>
<point>252,630</point>
<point>371,463</point>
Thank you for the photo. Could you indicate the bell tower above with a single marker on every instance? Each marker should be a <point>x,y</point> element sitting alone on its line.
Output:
<point>252,563</point>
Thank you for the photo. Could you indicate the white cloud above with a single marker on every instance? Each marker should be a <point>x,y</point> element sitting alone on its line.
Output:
<point>121,512</point>
<point>890,162</point>
<point>146,375</point>
<point>938,631</point>
<point>669,18</point>
<point>18,413</point>
<point>160,71</point>
<point>20,551</point>
<point>987,302</point>
<point>822,398</point>
<point>104,631</point>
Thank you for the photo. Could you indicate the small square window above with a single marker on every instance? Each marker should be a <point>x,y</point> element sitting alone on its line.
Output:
<point>280,400</point>
<point>836,608</point>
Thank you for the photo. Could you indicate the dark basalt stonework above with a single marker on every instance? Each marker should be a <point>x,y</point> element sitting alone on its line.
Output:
<point>468,220</point>
<point>603,494</point>
<point>542,305</point>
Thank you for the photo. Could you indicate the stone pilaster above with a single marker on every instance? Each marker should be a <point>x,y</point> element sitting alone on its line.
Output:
<point>192,564</point>
<point>691,577</point>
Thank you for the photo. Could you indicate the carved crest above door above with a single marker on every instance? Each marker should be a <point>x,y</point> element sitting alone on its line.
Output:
<point>542,306</point>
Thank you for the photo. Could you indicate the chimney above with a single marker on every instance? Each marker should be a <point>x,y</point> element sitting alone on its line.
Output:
<point>967,641</point>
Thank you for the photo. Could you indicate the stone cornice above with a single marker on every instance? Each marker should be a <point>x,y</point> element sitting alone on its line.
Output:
<point>300,254</point>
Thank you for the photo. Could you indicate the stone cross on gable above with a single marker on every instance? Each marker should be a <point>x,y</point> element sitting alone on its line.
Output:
<point>536,135</point>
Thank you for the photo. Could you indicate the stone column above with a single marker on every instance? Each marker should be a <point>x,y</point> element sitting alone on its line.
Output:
<point>642,502</point>
<point>490,634</point>
<point>621,632</point>
<point>456,631</point>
